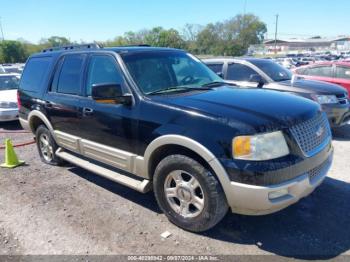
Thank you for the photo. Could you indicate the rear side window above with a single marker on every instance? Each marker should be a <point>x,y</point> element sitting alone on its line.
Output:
<point>302,71</point>
<point>343,72</point>
<point>325,71</point>
<point>69,80</point>
<point>216,68</point>
<point>239,72</point>
<point>34,73</point>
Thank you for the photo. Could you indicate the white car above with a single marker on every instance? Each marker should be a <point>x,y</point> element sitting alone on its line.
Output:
<point>8,97</point>
<point>14,68</point>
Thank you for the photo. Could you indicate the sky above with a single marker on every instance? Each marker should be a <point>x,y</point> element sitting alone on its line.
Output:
<point>101,20</point>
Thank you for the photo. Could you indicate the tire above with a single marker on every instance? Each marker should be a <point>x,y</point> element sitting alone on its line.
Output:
<point>48,156</point>
<point>199,186</point>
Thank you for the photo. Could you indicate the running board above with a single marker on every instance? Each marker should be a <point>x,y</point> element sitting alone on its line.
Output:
<point>141,186</point>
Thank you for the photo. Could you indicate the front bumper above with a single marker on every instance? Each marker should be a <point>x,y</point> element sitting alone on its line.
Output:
<point>8,114</point>
<point>248,199</point>
<point>338,115</point>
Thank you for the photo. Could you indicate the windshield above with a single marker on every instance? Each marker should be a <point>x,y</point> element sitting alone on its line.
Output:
<point>9,82</point>
<point>275,71</point>
<point>155,71</point>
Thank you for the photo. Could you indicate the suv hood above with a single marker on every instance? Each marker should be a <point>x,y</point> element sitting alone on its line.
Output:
<point>312,86</point>
<point>260,109</point>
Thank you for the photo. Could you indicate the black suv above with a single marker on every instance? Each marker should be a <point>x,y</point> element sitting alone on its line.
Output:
<point>265,73</point>
<point>158,118</point>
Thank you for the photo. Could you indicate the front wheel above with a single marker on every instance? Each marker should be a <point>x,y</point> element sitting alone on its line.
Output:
<point>188,193</point>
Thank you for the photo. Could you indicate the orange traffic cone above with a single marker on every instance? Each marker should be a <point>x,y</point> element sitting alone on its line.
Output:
<point>11,160</point>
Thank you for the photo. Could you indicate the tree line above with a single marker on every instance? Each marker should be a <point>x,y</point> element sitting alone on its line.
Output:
<point>231,37</point>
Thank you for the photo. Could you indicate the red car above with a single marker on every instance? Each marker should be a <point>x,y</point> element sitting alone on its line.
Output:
<point>332,72</point>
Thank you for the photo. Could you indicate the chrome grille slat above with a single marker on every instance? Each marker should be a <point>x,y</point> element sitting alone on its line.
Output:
<point>306,136</point>
<point>318,171</point>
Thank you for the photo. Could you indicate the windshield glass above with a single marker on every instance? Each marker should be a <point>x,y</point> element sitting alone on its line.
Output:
<point>275,71</point>
<point>165,70</point>
<point>9,82</point>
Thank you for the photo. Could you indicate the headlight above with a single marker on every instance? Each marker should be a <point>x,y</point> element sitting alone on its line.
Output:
<point>325,99</point>
<point>260,147</point>
<point>8,105</point>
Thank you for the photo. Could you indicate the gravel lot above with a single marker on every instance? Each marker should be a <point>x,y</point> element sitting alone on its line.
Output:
<point>67,210</point>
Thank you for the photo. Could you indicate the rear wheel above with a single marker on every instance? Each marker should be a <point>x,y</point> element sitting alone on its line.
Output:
<point>188,193</point>
<point>47,147</point>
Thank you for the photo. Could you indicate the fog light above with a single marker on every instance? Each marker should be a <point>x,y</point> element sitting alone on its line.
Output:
<point>278,193</point>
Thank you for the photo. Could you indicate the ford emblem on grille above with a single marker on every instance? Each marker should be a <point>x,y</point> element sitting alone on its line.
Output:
<point>320,131</point>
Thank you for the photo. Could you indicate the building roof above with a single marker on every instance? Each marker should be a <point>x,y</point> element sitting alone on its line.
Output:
<point>309,40</point>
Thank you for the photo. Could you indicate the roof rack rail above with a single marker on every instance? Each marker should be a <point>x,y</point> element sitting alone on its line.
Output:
<point>71,47</point>
<point>145,45</point>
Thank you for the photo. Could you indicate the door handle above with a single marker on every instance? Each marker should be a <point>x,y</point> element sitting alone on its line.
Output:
<point>88,111</point>
<point>48,104</point>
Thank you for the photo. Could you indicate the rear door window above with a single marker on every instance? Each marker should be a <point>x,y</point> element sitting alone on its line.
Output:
<point>239,72</point>
<point>70,78</point>
<point>34,73</point>
<point>342,72</point>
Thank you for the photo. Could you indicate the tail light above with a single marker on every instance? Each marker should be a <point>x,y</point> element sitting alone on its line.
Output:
<point>18,100</point>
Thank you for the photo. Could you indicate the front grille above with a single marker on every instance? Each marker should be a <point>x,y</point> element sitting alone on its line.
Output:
<point>312,135</point>
<point>319,171</point>
<point>343,99</point>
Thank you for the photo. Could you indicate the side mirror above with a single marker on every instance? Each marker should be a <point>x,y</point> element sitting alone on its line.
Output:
<point>255,78</point>
<point>220,74</point>
<point>110,93</point>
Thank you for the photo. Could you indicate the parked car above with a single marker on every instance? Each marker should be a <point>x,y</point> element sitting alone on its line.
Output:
<point>331,72</point>
<point>8,97</point>
<point>158,118</point>
<point>266,74</point>
<point>13,68</point>
<point>286,62</point>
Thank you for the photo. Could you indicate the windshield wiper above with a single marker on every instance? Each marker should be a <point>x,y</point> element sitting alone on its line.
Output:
<point>177,88</point>
<point>217,83</point>
<point>283,79</point>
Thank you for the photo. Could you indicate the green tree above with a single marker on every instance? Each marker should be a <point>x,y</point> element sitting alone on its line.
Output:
<point>190,34</point>
<point>161,37</point>
<point>55,41</point>
<point>231,37</point>
<point>1,56</point>
<point>250,29</point>
<point>12,51</point>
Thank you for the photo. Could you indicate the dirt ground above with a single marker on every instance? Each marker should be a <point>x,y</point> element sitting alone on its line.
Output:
<point>67,210</point>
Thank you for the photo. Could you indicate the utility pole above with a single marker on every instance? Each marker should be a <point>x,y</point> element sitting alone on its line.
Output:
<point>276,34</point>
<point>2,32</point>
